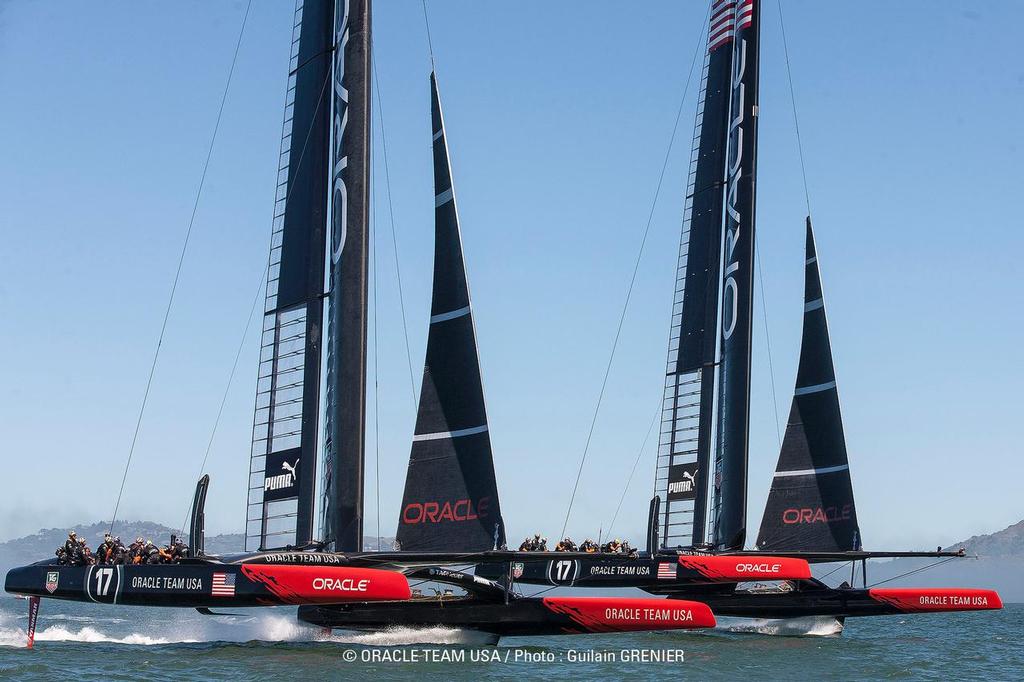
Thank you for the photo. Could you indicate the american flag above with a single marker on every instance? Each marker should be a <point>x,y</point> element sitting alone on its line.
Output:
<point>666,571</point>
<point>725,16</point>
<point>223,585</point>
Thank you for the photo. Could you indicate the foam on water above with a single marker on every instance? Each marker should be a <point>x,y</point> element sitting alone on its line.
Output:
<point>402,636</point>
<point>810,626</point>
<point>273,628</point>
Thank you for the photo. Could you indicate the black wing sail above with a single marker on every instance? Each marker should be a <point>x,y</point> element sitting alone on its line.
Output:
<point>345,413</point>
<point>810,506</point>
<point>282,470</point>
<point>730,493</point>
<point>684,443</point>
<point>451,497</point>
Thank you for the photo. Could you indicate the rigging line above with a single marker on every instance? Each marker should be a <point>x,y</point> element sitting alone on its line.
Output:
<point>840,566</point>
<point>376,355</point>
<point>394,237</point>
<point>916,570</point>
<point>632,279</point>
<point>768,340</point>
<point>181,261</point>
<point>426,23</point>
<point>632,471</point>
<point>231,376</point>
<point>792,99</point>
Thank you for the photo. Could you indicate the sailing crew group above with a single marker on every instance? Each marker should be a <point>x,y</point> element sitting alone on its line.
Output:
<point>540,544</point>
<point>75,551</point>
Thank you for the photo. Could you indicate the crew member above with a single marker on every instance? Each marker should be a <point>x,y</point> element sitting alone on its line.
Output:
<point>105,550</point>
<point>150,553</point>
<point>84,557</point>
<point>566,545</point>
<point>135,551</point>
<point>70,549</point>
<point>527,545</point>
<point>589,546</point>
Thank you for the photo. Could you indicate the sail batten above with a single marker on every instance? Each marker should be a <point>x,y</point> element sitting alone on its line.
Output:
<point>810,505</point>
<point>451,497</point>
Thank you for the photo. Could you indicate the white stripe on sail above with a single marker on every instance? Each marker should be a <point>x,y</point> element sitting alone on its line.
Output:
<point>449,434</point>
<point>443,198</point>
<point>438,134</point>
<point>814,305</point>
<point>812,259</point>
<point>812,472</point>
<point>816,388</point>
<point>450,315</point>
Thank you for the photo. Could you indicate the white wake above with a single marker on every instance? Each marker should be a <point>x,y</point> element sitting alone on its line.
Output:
<point>263,627</point>
<point>809,626</point>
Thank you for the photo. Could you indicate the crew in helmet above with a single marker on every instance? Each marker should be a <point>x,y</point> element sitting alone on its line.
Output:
<point>566,545</point>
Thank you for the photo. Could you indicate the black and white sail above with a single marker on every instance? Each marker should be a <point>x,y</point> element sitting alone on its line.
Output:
<point>684,445</point>
<point>451,497</point>
<point>811,506</point>
<point>345,412</point>
<point>282,470</point>
<point>729,508</point>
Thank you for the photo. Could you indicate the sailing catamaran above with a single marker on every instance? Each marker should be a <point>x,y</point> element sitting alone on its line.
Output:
<point>320,227</point>
<point>697,524</point>
<point>451,517</point>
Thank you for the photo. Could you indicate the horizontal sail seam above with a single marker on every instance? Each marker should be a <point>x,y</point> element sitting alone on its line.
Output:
<point>450,315</point>
<point>443,198</point>
<point>813,305</point>
<point>812,472</point>
<point>816,388</point>
<point>442,435</point>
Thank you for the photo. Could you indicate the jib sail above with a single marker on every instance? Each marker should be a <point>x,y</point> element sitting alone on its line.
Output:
<point>810,506</point>
<point>451,497</point>
<point>282,470</point>
<point>730,483</point>
<point>684,444</point>
<point>345,413</point>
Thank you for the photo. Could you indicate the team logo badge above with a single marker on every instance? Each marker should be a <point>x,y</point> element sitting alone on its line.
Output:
<point>52,578</point>
<point>517,570</point>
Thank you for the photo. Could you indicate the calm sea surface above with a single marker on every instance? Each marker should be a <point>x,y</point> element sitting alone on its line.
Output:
<point>94,642</point>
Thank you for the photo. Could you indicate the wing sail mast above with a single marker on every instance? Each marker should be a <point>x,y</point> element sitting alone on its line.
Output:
<point>729,507</point>
<point>282,469</point>
<point>345,413</point>
<point>688,416</point>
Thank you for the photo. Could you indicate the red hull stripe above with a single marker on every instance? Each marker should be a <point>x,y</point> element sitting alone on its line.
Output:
<point>743,568</point>
<point>920,599</point>
<point>328,584</point>
<point>624,614</point>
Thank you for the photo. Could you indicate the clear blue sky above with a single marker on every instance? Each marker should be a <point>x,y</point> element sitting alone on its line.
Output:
<point>558,116</point>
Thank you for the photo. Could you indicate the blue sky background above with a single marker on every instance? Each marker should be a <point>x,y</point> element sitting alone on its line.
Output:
<point>558,116</point>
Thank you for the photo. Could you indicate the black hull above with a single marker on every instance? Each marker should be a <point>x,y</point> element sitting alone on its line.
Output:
<point>523,617</point>
<point>520,616</point>
<point>203,583</point>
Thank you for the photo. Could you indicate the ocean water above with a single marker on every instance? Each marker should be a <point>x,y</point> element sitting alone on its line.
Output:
<point>96,642</point>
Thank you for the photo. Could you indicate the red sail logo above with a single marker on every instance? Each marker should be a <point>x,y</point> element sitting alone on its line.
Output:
<point>448,510</point>
<point>817,514</point>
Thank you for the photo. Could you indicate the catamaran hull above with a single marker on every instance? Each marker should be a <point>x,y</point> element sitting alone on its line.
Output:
<point>850,603</point>
<point>520,617</point>
<point>207,584</point>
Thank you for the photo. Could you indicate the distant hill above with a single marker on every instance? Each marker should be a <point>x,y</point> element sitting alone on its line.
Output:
<point>1008,542</point>
<point>999,565</point>
<point>43,544</point>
